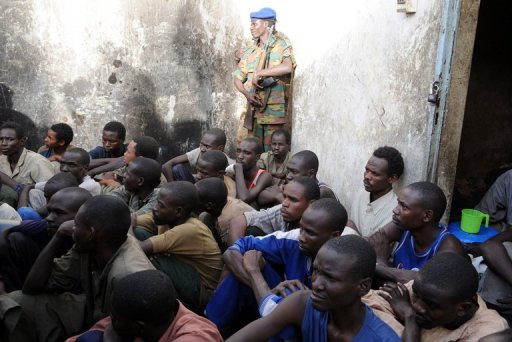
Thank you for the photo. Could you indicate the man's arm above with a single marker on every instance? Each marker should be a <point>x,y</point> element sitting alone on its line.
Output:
<point>41,270</point>
<point>234,261</point>
<point>237,228</point>
<point>382,239</point>
<point>8,181</point>
<point>167,167</point>
<point>23,197</point>
<point>284,68</point>
<point>253,262</point>
<point>111,164</point>
<point>251,97</point>
<point>451,244</point>
<point>496,256</point>
<point>270,196</point>
<point>250,195</point>
<point>290,311</point>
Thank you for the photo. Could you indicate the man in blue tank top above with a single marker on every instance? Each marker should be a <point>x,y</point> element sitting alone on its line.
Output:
<point>416,228</point>
<point>332,311</point>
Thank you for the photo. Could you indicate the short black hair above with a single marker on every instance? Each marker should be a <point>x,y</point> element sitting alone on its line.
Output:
<point>258,147</point>
<point>216,158</point>
<point>147,147</point>
<point>63,132</point>
<point>394,159</point>
<point>212,190</point>
<point>184,194</point>
<point>76,196</point>
<point>361,252</point>
<point>431,198</point>
<point>20,133</point>
<point>219,134</point>
<point>149,169</point>
<point>335,212</point>
<point>84,158</point>
<point>310,185</point>
<point>59,181</point>
<point>285,133</point>
<point>452,273</point>
<point>108,214</point>
<point>116,126</point>
<point>148,296</point>
<point>309,159</point>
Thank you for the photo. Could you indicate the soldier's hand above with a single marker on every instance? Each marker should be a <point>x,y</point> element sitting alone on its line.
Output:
<point>254,99</point>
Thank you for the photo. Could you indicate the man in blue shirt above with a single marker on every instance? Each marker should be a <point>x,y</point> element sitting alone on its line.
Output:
<point>332,311</point>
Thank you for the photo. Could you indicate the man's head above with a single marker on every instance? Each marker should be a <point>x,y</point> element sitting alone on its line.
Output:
<point>445,292</point>
<point>212,163</point>
<point>213,139</point>
<point>298,195</point>
<point>342,272</point>
<point>280,142</point>
<point>142,173</point>
<point>176,201</point>
<point>113,136</point>
<point>59,181</point>
<point>59,135</point>
<point>12,138</point>
<point>102,221</point>
<point>303,163</point>
<point>323,219</point>
<point>64,205</point>
<point>419,204</point>
<point>213,195</point>
<point>143,146</point>
<point>261,21</point>
<point>143,301</point>
<point>248,153</point>
<point>75,161</point>
<point>383,169</point>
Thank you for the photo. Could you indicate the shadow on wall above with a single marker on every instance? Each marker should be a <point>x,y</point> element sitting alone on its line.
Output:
<point>9,114</point>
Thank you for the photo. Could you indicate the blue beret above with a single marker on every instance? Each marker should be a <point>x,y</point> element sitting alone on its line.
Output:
<point>264,13</point>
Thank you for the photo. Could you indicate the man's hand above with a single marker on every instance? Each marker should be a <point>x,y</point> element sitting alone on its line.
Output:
<point>504,306</point>
<point>238,168</point>
<point>66,228</point>
<point>253,261</point>
<point>254,99</point>
<point>398,297</point>
<point>288,287</point>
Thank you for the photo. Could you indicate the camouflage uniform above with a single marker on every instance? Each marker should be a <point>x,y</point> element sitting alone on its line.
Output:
<point>274,116</point>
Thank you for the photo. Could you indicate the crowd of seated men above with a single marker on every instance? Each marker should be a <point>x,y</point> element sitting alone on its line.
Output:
<point>112,245</point>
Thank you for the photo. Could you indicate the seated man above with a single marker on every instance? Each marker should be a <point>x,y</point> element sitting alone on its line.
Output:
<point>182,167</point>
<point>298,194</point>
<point>181,245</point>
<point>303,163</point>
<point>58,182</point>
<point>64,295</point>
<point>372,206</point>
<point>143,146</point>
<point>112,139</point>
<point>289,252</point>
<point>20,245</point>
<point>139,190</point>
<point>250,179</point>
<point>333,310</point>
<point>57,141</point>
<point>417,229</point>
<point>19,166</point>
<point>144,305</point>
<point>217,208</point>
<point>442,304</point>
<point>497,201</point>
<point>213,163</point>
<point>76,162</point>
<point>276,160</point>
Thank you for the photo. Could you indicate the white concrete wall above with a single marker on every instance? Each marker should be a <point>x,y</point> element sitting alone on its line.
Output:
<point>362,80</point>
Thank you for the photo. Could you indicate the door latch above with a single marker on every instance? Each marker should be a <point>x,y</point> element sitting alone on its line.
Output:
<point>433,97</point>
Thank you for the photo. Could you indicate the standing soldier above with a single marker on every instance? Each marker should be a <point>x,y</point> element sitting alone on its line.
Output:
<point>264,77</point>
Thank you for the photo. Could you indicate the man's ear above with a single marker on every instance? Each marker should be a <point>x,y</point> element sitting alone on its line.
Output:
<point>335,233</point>
<point>61,142</point>
<point>209,206</point>
<point>23,141</point>
<point>179,211</point>
<point>140,181</point>
<point>428,215</point>
<point>392,179</point>
<point>220,148</point>
<point>464,307</point>
<point>311,173</point>
<point>364,286</point>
